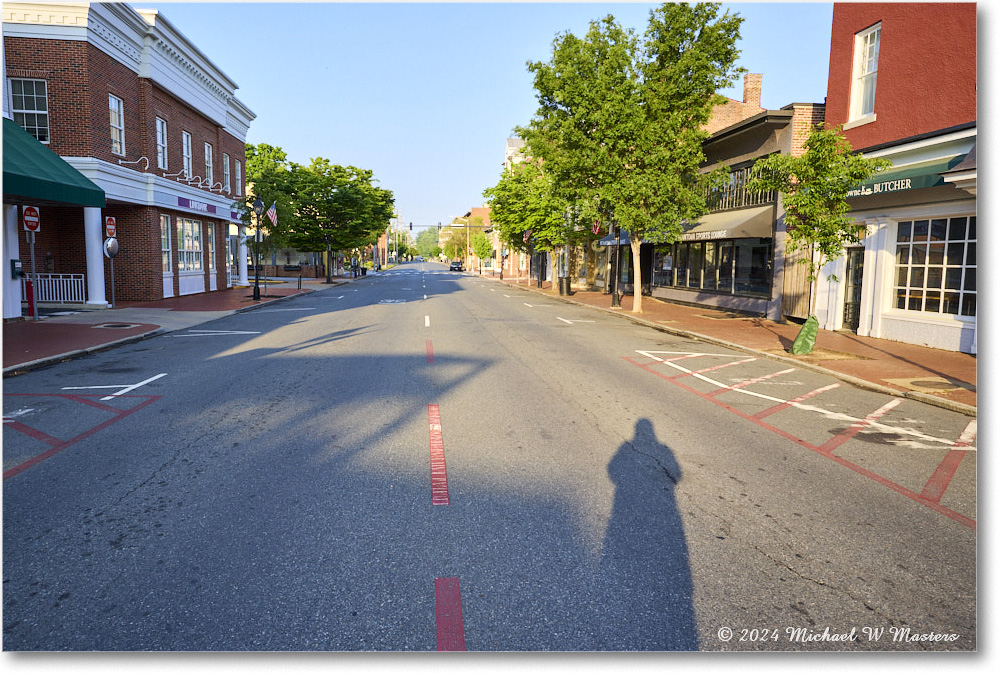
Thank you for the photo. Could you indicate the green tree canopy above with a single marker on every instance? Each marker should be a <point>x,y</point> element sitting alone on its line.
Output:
<point>814,189</point>
<point>619,122</point>
<point>524,207</point>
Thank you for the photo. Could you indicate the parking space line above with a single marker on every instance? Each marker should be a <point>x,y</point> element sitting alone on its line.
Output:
<point>939,482</point>
<point>798,399</point>
<point>852,431</point>
<point>747,383</point>
<point>448,615</point>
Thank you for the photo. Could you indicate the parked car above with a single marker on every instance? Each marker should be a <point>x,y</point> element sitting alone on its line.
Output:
<point>456,266</point>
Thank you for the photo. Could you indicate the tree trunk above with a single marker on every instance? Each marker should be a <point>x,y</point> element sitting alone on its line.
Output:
<point>635,243</point>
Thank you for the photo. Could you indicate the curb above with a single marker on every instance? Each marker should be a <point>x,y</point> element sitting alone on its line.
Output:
<point>20,368</point>
<point>961,408</point>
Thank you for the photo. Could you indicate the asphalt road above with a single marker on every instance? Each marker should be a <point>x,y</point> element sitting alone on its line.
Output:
<point>427,460</point>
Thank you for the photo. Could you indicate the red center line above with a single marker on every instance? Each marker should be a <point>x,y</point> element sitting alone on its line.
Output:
<point>448,612</point>
<point>939,482</point>
<point>439,471</point>
<point>430,352</point>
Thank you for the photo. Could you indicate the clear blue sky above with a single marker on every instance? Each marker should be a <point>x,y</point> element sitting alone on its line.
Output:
<point>425,95</point>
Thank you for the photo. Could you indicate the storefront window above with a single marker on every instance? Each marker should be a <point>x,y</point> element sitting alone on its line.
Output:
<point>189,249</point>
<point>732,266</point>
<point>936,266</point>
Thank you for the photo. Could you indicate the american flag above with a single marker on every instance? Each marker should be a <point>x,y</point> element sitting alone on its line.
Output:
<point>272,213</point>
<point>527,236</point>
<point>597,227</point>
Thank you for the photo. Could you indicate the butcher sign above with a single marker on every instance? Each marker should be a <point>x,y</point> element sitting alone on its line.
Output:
<point>31,219</point>
<point>109,226</point>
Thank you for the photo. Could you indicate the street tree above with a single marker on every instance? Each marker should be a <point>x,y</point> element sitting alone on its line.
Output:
<point>526,211</point>
<point>619,125</point>
<point>482,247</point>
<point>813,188</point>
<point>426,242</point>
<point>269,176</point>
<point>338,208</point>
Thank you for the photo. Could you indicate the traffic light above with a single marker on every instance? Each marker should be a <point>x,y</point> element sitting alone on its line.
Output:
<point>411,227</point>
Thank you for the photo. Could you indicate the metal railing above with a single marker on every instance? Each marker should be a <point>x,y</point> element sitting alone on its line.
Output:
<point>58,288</point>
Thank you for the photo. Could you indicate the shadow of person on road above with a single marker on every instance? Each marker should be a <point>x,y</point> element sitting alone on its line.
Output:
<point>644,560</point>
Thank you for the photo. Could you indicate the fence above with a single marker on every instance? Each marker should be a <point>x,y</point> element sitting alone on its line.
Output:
<point>58,288</point>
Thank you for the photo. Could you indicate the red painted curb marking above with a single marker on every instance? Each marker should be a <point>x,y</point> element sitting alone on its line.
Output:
<point>939,482</point>
<point>430,352</point>
<point>910,494</point>
<point>59,445</point>
<point>439,471</point>
<point>448,612</point>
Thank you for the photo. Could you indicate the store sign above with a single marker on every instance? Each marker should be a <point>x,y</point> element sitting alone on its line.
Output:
<point>699,236</point>
<point>882,188</point>
<point>186,203</point>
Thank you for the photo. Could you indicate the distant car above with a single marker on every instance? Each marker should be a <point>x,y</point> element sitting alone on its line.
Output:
<point>420,258</point>
<point>456,266</point>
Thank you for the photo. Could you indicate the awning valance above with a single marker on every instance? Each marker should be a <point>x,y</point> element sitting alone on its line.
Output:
<point>32,172</point>
<point>909,177</point>
<point>755,223</point>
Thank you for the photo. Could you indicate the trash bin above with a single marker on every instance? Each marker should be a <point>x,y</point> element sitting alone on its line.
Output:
<point>564,286</point>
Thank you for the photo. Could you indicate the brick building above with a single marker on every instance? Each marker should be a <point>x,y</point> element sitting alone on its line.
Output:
<point>130,103</point>
<point>902,82</point>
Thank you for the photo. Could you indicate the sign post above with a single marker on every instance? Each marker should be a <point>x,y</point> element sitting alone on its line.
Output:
<point>110,251</point>
<point>32,224</point>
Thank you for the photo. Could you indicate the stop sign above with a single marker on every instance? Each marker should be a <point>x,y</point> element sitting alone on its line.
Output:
<point>32,223</point>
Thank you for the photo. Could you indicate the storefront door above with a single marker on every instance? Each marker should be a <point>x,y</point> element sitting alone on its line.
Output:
<point>852,291</point>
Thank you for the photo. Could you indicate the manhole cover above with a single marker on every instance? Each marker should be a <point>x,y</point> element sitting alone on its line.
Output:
<point>117,325</point>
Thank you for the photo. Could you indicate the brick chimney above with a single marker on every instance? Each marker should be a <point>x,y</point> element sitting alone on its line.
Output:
<point>751,89</point>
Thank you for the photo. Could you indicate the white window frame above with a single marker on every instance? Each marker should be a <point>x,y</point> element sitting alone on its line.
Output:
<point>189,246</point>
<point>210,245</point>
<point>864,76</point>
<point>209,165</point>
<point>165,247</point>
<point>20,114</point>
<point>186,153</point>
<point>161,143</point>
<point>226,185</point>
<point>116,110</point>
<point>239,179</point>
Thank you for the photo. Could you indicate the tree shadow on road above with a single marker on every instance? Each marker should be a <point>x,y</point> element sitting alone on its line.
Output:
<point>644,560</point>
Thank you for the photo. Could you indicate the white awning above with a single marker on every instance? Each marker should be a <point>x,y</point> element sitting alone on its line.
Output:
<point>757,222</point>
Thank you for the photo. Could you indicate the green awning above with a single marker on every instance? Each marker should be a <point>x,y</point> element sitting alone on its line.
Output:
<point>33,173</point>
<point>911,177</point>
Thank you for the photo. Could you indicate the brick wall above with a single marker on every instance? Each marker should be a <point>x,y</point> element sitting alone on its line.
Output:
<point>805,117</point>
<point>732,111</point>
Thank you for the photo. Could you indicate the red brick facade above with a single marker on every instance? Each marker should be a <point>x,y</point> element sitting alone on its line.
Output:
<point>926,68</point>
<point>79,78</point>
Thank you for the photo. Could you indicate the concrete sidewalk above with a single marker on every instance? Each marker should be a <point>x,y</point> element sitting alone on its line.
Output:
<point>942,378</point>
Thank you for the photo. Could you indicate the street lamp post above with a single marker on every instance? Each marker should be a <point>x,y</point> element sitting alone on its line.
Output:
<point>258,208</point>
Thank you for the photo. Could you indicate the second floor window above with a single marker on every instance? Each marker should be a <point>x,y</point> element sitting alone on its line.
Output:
<point>161,143</point>
<point>117,108</point>
<point>186,153</point>
<point>239,179</point>
<point>225,172</point>
<point>30,107</point>
<point>866,48</point>
<point>208,165</point>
